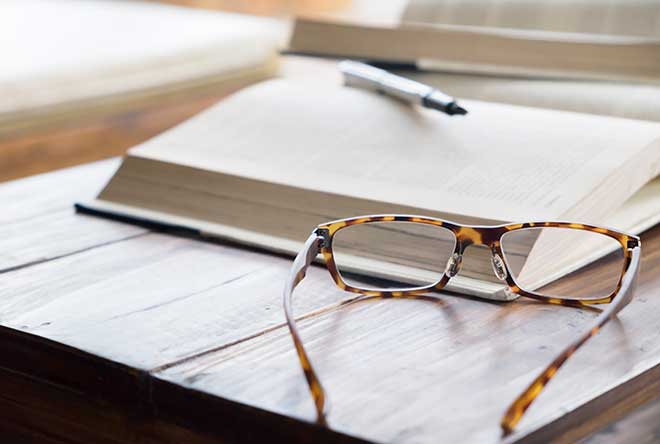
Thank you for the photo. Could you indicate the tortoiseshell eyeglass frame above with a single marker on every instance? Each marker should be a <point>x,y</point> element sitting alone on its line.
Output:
<point>320,241</point>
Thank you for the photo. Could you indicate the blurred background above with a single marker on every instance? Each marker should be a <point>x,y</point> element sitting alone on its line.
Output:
<point>61,106</point>
<point>83,80</point>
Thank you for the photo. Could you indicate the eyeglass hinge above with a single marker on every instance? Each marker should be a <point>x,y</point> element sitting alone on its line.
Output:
<point>632,243</point>
<point>324,237</point>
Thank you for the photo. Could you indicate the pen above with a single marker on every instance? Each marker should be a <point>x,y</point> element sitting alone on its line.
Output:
<point>361,75</point>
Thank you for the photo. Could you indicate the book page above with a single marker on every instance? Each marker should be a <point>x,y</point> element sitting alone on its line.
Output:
<point>618,17</point>
<point>618,99</point>
<point>498,162</point>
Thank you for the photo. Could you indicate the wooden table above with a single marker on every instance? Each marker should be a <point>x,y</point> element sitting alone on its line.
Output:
<point>112,333</point>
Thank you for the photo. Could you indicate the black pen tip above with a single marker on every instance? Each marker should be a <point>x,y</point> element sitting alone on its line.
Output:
<point>456,109</point>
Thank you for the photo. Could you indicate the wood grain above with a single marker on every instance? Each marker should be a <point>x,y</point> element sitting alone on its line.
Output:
<point>141,334</point>
<point>641,426</point>
<point>57,236</point>
<point>92,138</point>
<point>68,396</point>
<point>39,222</point>
<point>170,298</point>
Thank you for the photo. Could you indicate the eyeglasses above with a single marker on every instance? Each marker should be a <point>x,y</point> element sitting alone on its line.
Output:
<point>401,256</point>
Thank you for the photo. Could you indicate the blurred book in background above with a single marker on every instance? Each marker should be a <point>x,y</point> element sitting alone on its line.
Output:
<point>118,72</point>
<point>602,40</point>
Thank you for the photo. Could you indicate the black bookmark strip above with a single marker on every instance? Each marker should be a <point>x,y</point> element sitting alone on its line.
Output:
<point>139,221</point>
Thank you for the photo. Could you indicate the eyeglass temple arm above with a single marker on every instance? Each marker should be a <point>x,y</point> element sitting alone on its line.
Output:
<point>625,293</point>
<point>297,274</point>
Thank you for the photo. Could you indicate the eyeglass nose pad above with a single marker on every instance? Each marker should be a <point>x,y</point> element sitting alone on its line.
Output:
<point>453,265</point>
<point>498,266</point>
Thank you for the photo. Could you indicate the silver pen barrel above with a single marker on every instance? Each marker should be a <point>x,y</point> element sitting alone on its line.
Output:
<point>368,77</point>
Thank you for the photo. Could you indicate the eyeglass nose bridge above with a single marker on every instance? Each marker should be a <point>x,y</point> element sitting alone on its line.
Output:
<point>453,264</point>
<point>455,261</point>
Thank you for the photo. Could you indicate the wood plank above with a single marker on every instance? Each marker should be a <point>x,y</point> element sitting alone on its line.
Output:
<point>602,409</point>
<point>47,193</point>
<point>642,426</point>
<point>169,297</point>
<point>54,393</point>
<point>39,222</point>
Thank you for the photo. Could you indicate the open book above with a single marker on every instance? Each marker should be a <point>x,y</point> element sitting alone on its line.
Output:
<point>269,163</point>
